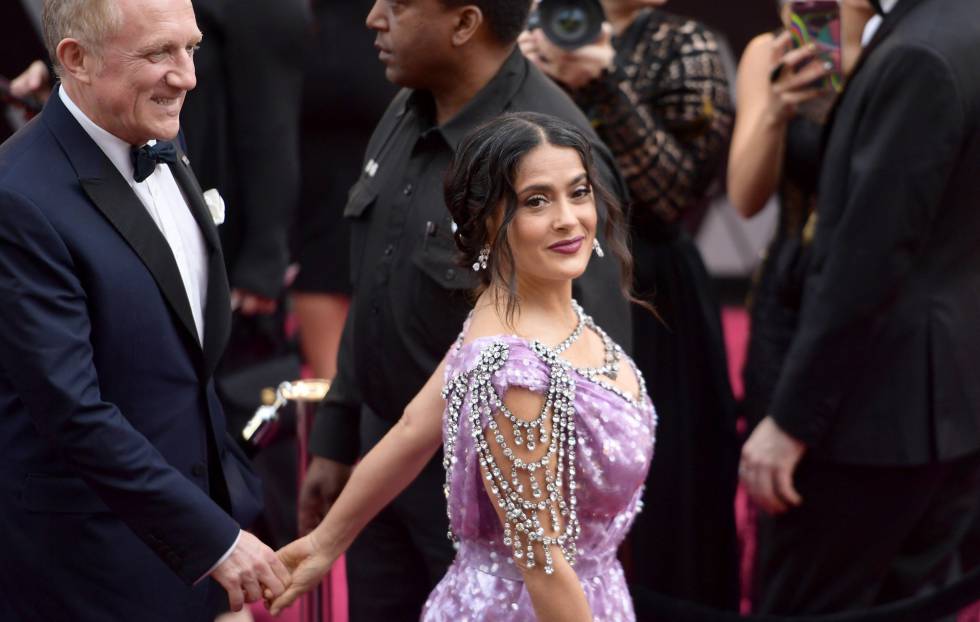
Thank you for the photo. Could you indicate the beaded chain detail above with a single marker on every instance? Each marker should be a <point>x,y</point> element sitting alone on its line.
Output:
<point>613,353</point>
<point>522,525</point>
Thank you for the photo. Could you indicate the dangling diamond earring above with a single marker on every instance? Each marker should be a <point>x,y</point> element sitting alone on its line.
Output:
<point>597,248</point>
<point>481,259</point>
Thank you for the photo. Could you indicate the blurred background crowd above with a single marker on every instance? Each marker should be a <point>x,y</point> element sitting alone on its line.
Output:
<point>714,116</point>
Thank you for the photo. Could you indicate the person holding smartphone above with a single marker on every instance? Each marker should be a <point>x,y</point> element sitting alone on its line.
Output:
<point>784,95</point>
<point>784,99</point>
<point>868,458</point>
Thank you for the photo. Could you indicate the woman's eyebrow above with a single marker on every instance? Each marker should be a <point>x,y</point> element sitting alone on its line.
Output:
<point>539,187</point>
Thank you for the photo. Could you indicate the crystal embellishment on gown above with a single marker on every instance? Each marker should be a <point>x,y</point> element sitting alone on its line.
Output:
<point>548,492</point>
<point>608,444</point>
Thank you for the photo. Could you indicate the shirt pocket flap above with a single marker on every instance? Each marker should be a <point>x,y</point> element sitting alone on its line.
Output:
<point>359,198</point>
<point>67,495</point>
<point>438,260</point>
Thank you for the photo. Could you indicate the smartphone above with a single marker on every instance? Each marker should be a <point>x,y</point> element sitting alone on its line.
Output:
<point>818,22</point>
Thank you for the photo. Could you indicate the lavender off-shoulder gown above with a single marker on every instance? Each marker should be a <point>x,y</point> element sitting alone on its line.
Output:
<point>614,445</point>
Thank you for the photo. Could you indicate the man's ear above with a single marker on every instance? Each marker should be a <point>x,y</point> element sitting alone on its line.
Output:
<point>468,22</point>
<point>75,60</point>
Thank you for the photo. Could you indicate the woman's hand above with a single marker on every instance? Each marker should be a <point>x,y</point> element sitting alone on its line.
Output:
<point>573,68</point>
<point>307,564</point>
<point>793,78</point>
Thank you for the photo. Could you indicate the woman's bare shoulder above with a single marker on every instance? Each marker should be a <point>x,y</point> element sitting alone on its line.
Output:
<point>484,324</point>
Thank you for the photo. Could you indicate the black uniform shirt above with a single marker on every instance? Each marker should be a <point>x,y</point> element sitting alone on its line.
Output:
<point>410,295</point>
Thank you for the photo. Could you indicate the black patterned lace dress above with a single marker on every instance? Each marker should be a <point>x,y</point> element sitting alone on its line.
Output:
<point>666,114</point>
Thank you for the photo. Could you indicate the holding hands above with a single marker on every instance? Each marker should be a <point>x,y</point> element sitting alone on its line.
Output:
<point>308,564</point>
<point>251,572</point>
<point>304,560</point>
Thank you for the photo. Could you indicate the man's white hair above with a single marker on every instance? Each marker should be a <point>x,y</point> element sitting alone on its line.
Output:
<point>91,22</point>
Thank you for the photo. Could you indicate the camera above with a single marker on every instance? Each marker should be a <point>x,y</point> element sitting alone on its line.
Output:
<point>569,24</point>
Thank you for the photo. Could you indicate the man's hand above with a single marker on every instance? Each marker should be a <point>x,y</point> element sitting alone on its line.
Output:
<point>322,485</point>
<point>769,459</point>
<point>308,565</point>
<point>34,82</point>
<point>250,571</point>
<point>247,303</point>
<point>573,68</point>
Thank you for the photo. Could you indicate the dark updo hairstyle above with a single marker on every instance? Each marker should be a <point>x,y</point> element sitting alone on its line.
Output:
<point>481,178</point>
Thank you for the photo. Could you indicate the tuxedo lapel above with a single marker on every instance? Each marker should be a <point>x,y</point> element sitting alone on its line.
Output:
<point>217,321</point>
<point>114,198</point>
<point>195,199</point>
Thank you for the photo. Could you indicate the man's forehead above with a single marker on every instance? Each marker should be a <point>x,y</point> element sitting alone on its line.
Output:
<point>156,11</point>
<point>159,20</point>
<point>142,6</point>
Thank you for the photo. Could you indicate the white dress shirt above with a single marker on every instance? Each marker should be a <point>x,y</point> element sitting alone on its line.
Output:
<point>875,22</point>
<point>164,201</point>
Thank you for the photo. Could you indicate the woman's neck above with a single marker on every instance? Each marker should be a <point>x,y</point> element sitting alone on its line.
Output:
<point>540,304</point>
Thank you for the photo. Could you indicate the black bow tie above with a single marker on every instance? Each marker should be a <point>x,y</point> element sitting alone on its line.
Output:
<point>146,158</point>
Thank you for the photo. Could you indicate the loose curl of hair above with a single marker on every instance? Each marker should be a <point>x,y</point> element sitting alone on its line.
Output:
<point>480,181</point>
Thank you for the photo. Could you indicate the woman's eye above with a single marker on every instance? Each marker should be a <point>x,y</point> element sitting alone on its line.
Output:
<point>536,201</point>
<point>582,191</point>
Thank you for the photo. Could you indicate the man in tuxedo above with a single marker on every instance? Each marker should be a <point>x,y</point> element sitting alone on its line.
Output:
<point>121,497</point>
<point>879,391</point>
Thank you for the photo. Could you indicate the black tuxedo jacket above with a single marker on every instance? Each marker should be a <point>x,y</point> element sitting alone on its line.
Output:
<point>884,368</point>
<point>119,487</point>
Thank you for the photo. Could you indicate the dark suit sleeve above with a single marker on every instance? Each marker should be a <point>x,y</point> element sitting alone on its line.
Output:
<point>46,352</point>
<point>263,57</point>
<point>336,428</point>
<point>906,143</point>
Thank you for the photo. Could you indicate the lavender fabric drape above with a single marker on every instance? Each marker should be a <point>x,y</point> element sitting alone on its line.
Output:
<point>615,437</point>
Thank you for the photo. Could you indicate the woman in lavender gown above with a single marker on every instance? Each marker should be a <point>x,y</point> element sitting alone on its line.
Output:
<point>545,423</point>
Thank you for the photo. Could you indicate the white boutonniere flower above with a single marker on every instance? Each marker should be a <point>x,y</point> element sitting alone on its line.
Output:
<point>216,205</point>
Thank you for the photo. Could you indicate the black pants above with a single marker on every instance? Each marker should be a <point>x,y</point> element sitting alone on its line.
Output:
<point>403,553</point>
<point>866,535</point>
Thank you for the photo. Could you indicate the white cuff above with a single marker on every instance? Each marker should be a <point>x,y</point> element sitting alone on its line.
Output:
<point>223,558</point>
